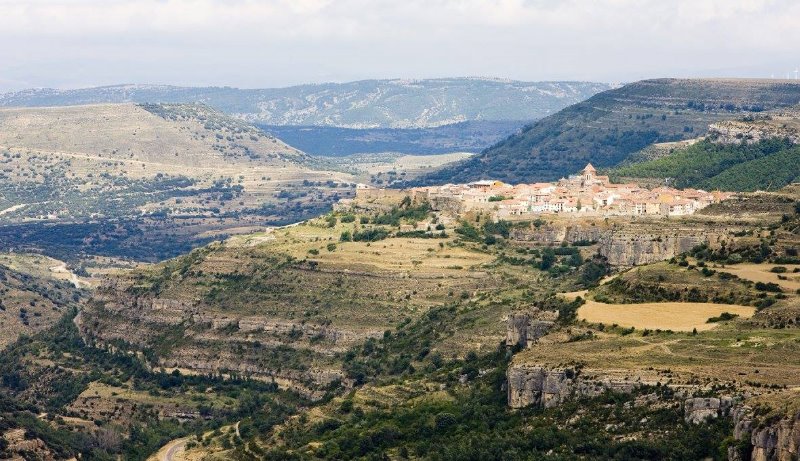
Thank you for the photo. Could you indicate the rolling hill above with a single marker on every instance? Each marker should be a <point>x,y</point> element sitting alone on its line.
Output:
<point>147,181</point>
<point>361,104</point>
<point>35,292</point>
<point>610,126</point>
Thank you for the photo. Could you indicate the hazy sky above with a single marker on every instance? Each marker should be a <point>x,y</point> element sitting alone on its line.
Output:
<point>248,43</point>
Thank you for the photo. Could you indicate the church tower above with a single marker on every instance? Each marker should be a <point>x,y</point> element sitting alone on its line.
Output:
<point>588,173</point>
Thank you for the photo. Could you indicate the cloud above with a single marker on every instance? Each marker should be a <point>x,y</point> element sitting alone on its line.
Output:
<point>278,42</point>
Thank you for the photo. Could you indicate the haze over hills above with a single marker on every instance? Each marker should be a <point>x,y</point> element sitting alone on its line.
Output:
<point>245,271</point>
<point>362,104</point>
<point>610,126</point>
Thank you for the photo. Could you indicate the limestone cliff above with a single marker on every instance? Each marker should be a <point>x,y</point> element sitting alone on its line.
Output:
<point>629,243</point>
<point>753,131</point>
<point>775,440</point>
<point>700,409</point>
<point>548,387</point>
<point>525,328</point>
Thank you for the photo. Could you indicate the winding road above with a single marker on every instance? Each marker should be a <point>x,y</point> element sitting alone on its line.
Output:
<point>169,451</point>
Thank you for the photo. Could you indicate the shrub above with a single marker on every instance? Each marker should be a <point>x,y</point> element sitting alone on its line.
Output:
<point>725,316</point>
<point>370,235</point>
<point>769,286</point>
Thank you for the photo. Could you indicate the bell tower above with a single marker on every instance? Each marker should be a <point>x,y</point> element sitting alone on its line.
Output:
<point>588,173</point>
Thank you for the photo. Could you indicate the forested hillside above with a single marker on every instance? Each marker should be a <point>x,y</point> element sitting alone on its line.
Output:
<point>608,127</point>
<point>769,165</point>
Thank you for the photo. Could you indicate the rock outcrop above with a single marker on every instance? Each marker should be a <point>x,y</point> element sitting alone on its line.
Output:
<point>699,410</point>
<point>549,387</point>
<point>633,249</point>
<point>538,386</point>
<point>631,243</point>
<point>751,132</point>
<point>20,447</point>
<point>525,328</point>
<point>775,440</point>
<point>779,441</point>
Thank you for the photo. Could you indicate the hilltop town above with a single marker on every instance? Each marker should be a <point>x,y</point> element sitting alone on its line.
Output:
<point>583,194</point>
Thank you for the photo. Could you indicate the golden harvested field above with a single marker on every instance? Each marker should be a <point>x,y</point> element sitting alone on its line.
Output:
<point>761,273</point>
<point>664,316</point>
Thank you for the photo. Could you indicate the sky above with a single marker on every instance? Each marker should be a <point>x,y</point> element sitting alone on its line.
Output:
<point>272,43</point>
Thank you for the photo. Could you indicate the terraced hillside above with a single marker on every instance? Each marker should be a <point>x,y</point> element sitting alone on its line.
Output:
<point>610,126</point>
<point>586,389</point>
<point>287,305</point>
<point>96,179</point>
<point>387,328</point>
<point>35,293</point>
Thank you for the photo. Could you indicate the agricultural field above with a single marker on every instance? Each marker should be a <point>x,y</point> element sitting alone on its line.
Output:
<point>686,316</point>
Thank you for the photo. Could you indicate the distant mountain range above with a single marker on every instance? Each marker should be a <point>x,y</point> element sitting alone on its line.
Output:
<point>610,126</point>
<point>362,104</point>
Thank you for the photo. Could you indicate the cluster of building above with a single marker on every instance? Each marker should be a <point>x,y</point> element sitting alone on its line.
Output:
<point>586,193</point>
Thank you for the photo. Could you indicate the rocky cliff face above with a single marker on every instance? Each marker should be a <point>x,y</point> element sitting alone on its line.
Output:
<point>190,336</point>
<point>628,243</point>
<point>631,249</point>
<point>751,132</point>
<point>774,440</point>
<point>532,385</point>
<point>698,409</point>
<point>525,328</point>
<point>548,387</point>
<point>777,440</point>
